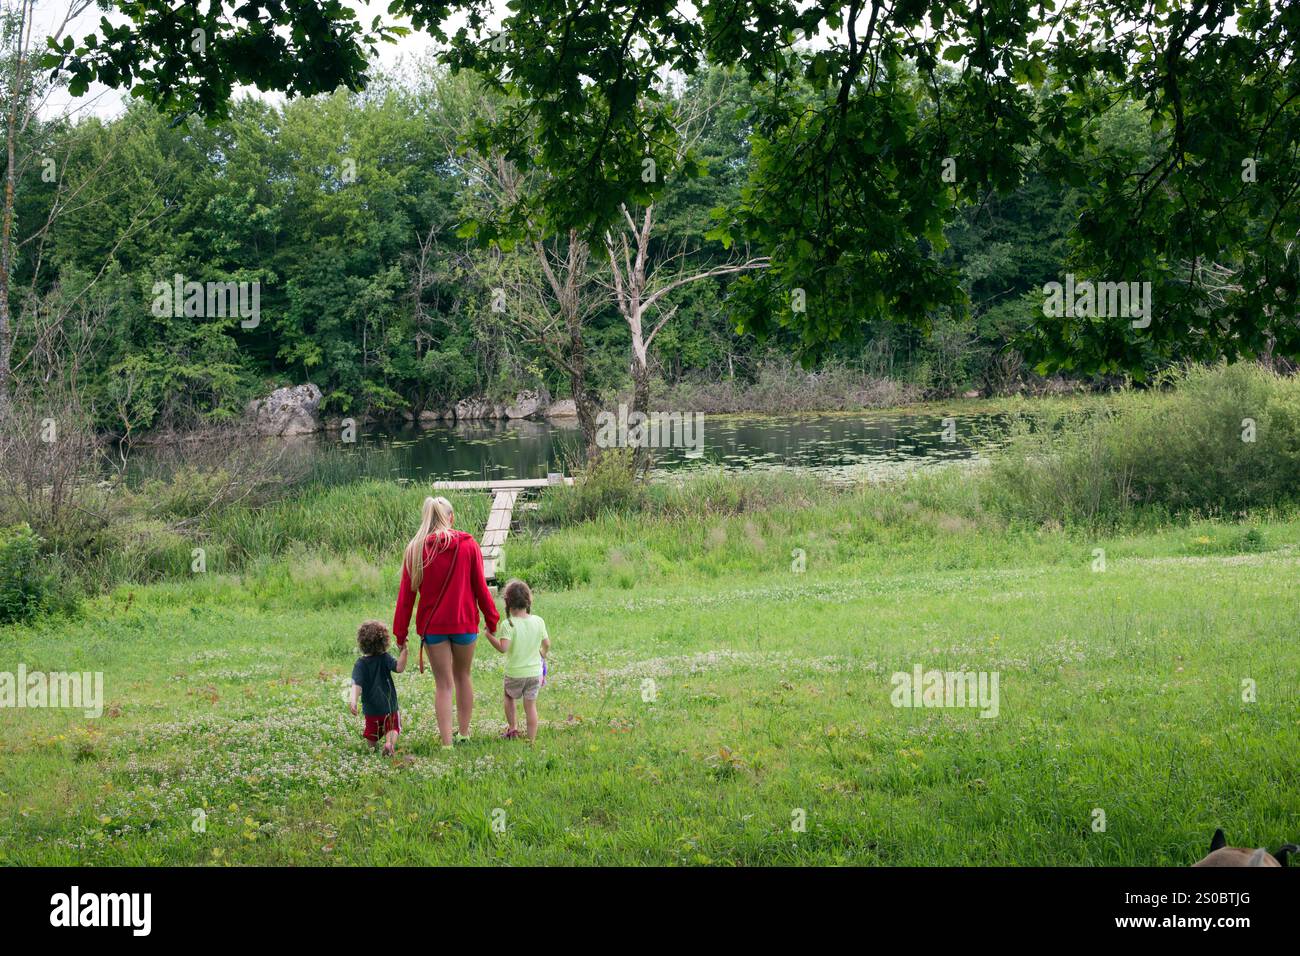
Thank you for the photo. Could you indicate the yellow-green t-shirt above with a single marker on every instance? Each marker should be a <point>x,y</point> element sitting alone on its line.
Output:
<point>524,656</point>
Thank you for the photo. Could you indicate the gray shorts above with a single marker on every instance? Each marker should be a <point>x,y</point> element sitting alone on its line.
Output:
<point>525,687</point>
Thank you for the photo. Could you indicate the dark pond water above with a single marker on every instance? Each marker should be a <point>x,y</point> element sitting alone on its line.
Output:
<point>836,446</point>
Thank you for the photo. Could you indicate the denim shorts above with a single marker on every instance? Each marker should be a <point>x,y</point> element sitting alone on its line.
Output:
<point>461,639</point>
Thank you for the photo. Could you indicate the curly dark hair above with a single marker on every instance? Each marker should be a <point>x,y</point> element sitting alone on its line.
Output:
<point>372,637</point>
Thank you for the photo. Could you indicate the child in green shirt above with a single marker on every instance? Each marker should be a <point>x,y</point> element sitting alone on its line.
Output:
<point>524,641</point>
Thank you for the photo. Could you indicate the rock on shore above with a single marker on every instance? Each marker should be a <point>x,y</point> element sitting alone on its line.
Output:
<point>294,410</point>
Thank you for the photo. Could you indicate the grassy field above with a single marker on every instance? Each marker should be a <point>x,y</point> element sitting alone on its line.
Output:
<point>706,695</point>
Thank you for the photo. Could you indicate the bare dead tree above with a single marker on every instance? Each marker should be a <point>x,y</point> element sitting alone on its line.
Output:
<point>50,450</point>
<point>28,133</point>
<point>23,101</point>
<point>550,302</point>
<point>550,294</point>
<point>640,284</point>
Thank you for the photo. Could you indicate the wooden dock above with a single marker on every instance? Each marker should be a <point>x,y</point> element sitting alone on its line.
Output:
<point>502,484</point>
<point>505,492</point>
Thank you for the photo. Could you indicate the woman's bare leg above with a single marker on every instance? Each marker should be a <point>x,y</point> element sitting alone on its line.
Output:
<point>441,660</point>
<point>462,657</point>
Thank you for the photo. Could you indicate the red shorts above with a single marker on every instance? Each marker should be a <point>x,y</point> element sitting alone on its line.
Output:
<point>381,724</point>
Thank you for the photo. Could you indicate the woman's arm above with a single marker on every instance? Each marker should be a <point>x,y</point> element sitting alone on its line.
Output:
<point>482,595</point>
<point>405,604</point>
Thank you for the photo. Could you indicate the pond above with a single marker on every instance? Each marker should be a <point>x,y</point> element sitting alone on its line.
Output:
<point>834,446</point>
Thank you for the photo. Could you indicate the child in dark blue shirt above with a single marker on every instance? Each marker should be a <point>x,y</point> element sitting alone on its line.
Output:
<point>372,681</point>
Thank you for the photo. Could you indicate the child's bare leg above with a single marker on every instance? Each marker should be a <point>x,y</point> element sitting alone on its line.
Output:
<point>510,712</point>
<point>530,712</point>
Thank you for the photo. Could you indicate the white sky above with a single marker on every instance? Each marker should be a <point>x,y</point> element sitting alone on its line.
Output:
<point>107,103</point>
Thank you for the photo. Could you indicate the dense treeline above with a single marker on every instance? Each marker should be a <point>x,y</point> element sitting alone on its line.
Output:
<point>349,211</point>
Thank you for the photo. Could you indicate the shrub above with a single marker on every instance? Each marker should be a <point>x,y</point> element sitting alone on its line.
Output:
<point>1216,440</point>
<point>606,486</point>
<point>1250,541</point>
<point>548,568</point>
<point>26,587</point>
<point>135,548</point>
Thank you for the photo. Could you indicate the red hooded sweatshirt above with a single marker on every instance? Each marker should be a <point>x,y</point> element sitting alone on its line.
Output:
<point>456,612</point>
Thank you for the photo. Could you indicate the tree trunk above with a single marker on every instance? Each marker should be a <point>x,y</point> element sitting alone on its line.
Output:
<point>16,96</point>
<point>642,455</point>
<point>584,399</point>
<point>6,261</point>
<point>588,407</point>
<point>6,352</point>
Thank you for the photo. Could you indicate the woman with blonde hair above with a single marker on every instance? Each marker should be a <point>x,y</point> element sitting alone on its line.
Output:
<point>445,568</point>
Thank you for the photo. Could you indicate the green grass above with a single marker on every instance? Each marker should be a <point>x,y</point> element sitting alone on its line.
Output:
<point>1120,691</point>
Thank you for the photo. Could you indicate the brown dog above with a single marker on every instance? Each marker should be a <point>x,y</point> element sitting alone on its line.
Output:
<point>1223,855</point>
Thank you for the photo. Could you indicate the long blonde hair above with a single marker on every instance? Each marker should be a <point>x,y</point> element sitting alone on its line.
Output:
<point>435,520</point>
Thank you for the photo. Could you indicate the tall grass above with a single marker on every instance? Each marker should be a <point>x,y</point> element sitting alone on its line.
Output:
<point>780,387</point>
<point>1207,441</point>
<point>716,526</point>
<point>1170,454</point>
<point>371,518</point>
